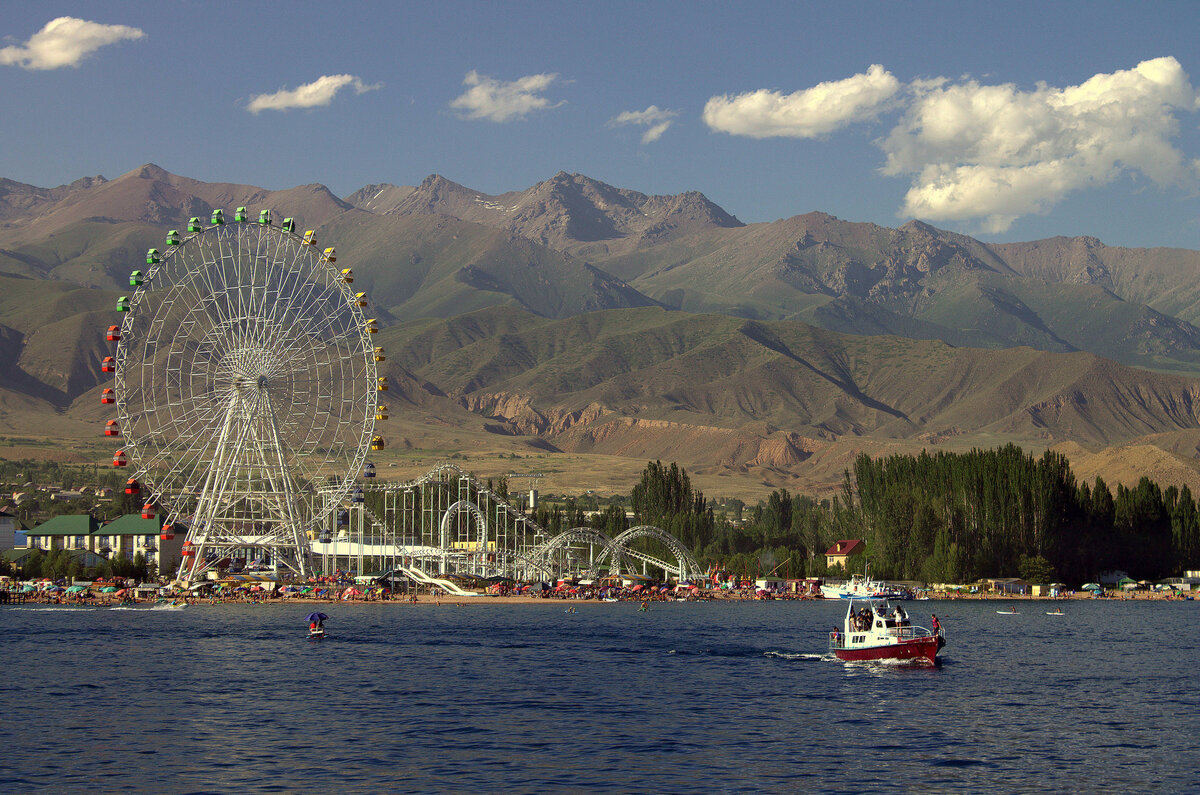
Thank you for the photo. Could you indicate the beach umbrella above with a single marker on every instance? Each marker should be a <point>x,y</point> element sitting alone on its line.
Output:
<point>121,592</point>
<point>108,589</point>
<point>76,589</point>
<point>1091,586</point>
<point>27,589</point>
<point>316,617</point>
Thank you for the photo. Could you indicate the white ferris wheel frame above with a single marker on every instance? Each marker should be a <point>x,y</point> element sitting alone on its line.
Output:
<point>246,391</point>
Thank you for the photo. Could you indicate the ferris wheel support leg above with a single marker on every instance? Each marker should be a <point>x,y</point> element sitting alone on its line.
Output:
<point>281,482</point>
<point>215,484</point>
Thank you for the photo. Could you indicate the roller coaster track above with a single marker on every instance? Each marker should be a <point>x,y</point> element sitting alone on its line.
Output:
<point>540,560</point>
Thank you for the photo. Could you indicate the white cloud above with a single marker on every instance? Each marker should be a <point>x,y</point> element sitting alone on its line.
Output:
<point>65,42</point>
<point>996,153</point>
<point>657,120</point>
<point>310,95</point>
<point>496,100</point>
<point>809,113</point>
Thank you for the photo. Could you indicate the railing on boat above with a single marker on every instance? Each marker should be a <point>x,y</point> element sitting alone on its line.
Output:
<point>837,639</point>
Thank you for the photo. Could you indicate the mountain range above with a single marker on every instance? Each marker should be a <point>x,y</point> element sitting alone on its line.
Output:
<point>583,318</point>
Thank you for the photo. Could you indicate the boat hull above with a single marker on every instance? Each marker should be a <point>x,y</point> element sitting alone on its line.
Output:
<point>915,649</point>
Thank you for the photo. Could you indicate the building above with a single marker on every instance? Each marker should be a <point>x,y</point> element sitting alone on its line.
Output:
<point>840,553</point>
<point>10,526</point>
<point>87,560</point>
<point>67,531</point>
<point>129,535</point>
<point>1007,585</point>
<point>132,535</point>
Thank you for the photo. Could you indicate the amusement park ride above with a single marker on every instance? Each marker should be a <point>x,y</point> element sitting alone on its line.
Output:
<point>247,393</point>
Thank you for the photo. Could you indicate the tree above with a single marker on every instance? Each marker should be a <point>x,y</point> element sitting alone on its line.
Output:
<point>1035,568</point>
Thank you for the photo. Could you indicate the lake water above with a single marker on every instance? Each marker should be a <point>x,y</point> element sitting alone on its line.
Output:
<point>704,697</point>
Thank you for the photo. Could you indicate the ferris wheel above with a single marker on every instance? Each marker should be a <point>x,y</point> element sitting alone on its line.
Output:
<point>246,389</point>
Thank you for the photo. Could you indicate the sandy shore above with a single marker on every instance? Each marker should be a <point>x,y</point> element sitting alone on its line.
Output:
<point>491,599</point>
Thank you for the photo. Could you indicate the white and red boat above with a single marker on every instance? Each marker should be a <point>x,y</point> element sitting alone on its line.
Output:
<point>874,630</point>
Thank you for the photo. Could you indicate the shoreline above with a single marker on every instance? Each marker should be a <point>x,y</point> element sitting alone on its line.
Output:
<point>489,599</point>
<point>512,599</point>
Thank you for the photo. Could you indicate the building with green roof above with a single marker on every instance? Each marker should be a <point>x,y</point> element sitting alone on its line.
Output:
<point>67,531</point>
<point>130,535</point>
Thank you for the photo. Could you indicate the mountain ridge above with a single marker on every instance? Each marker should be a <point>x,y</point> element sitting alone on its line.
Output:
<point>577,316</point>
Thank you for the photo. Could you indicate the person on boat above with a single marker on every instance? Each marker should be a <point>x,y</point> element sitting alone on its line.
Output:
<point>937,625</point>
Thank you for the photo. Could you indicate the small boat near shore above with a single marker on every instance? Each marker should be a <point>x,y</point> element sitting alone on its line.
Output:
<point>878,631</point>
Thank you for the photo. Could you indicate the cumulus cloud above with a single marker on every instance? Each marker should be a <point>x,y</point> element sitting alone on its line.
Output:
<point>65,42</point>
<point>496,100</point>
<point>996,152</point>
<point>310,95</point>
<point>809,113</point>
<point>658,121</point>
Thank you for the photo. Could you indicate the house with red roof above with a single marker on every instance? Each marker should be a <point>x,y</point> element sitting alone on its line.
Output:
<point>840,553</point>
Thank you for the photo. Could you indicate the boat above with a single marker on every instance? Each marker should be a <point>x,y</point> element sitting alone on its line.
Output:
<point>877,631</point>
<point>316,626</point>
<point>1055,613</point>
<point>861,586</point>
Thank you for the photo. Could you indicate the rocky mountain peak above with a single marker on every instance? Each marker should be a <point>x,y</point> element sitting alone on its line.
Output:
<point>150,171</point>
<point>83,183</point>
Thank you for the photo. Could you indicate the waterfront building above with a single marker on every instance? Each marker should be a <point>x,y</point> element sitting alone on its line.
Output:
<point>130,535</point>
<point>66,531</point>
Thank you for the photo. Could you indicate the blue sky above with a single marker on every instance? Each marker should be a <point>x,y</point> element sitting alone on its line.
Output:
<point>1008,121</point>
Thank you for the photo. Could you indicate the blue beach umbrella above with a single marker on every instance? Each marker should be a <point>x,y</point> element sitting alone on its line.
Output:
<point>316,617</point>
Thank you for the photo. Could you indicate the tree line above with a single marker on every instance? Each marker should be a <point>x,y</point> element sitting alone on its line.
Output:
<point>942,517</point>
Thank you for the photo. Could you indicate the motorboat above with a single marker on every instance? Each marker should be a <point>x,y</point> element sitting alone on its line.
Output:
<point>860,586</point>
<point>875,630</point>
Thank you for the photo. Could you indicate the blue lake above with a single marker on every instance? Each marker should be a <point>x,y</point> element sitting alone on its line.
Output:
<point>701,697</point>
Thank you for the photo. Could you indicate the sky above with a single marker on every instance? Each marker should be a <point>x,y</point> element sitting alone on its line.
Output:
<point>1007,121</point>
